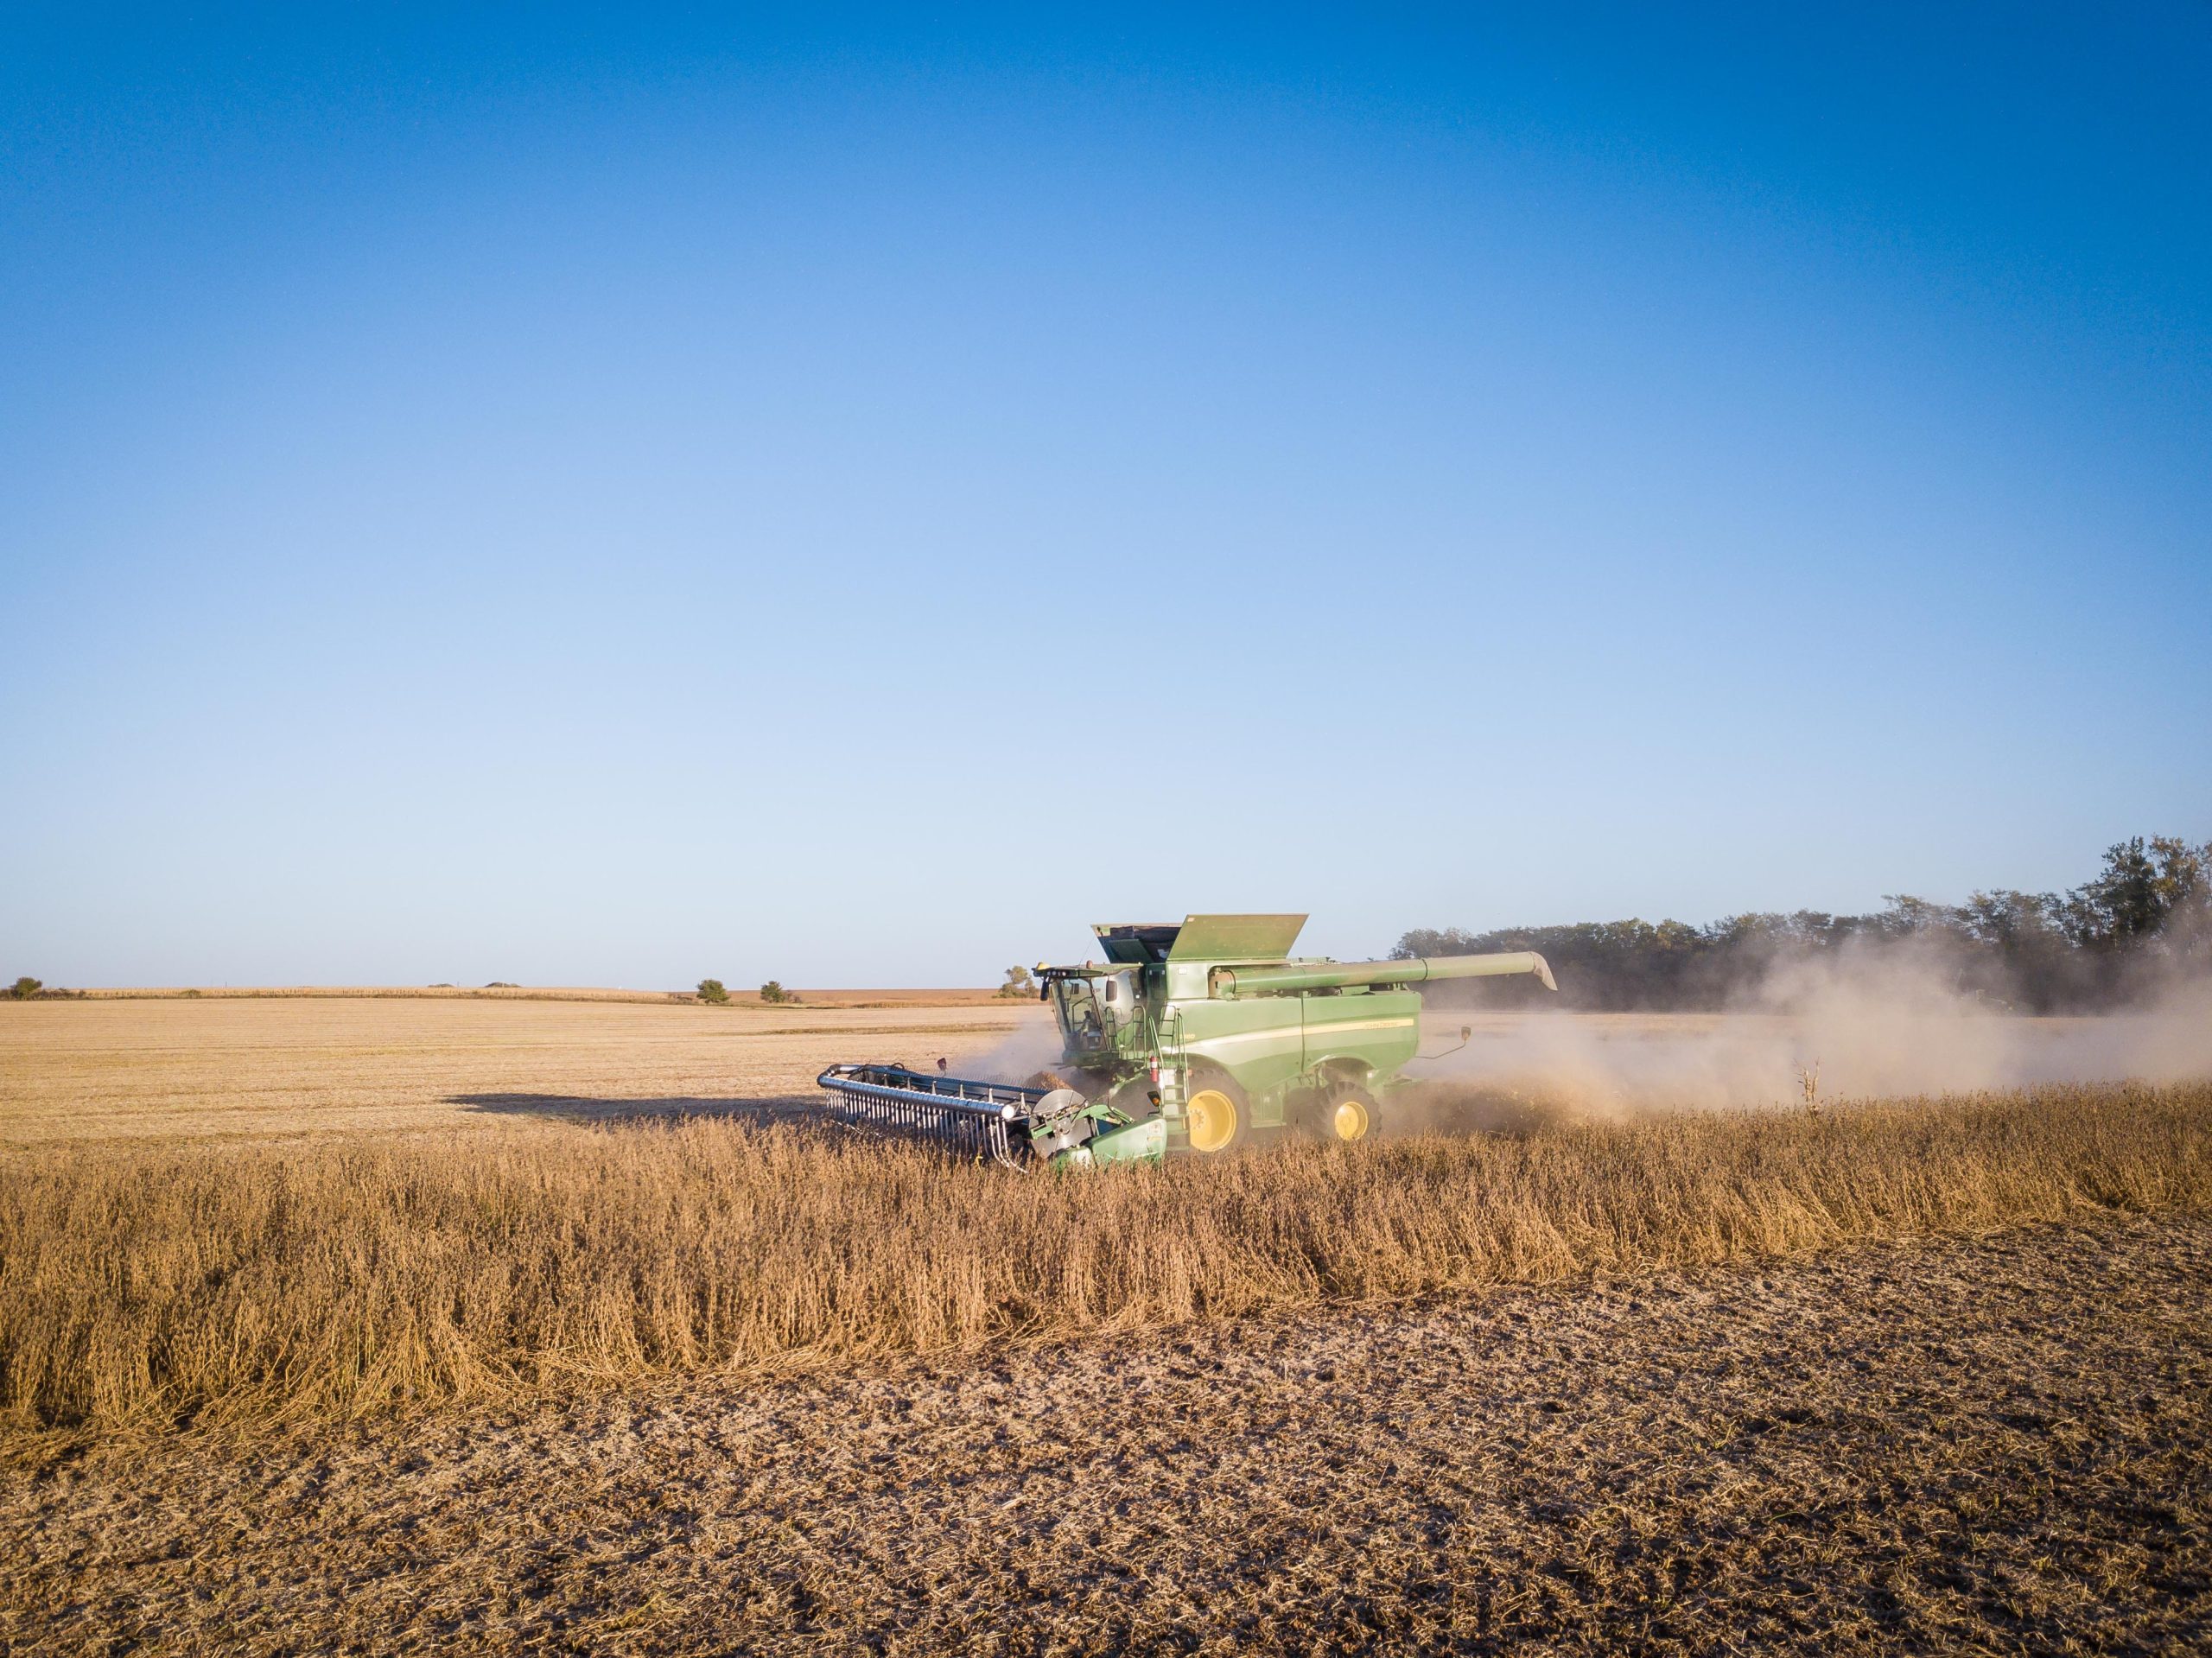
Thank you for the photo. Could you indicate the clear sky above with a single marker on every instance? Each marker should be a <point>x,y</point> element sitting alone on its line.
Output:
<point>510,494</point>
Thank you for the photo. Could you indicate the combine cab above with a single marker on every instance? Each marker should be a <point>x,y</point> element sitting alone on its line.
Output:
<point>1192,1038</point>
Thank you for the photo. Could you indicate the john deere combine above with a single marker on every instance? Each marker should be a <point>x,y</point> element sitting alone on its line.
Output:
<point>1189,1038</point>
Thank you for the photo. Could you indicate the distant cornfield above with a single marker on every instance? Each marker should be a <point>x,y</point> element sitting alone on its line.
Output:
<point>229,1284</point>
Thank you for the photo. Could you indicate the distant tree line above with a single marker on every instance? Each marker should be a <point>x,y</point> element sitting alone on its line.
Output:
<point>716,994</point>
<point>30,989</point>
<point>2145,918</point>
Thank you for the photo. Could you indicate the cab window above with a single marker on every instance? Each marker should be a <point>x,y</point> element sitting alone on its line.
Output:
<point>1078,1010</point>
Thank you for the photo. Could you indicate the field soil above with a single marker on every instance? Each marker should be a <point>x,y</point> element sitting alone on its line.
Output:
<point>1999,1445</point>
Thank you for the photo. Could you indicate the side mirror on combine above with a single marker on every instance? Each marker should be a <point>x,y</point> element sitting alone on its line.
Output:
<point>1466,1034</point>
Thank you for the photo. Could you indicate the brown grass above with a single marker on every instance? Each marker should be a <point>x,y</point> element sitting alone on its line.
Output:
<point>237,1283</point>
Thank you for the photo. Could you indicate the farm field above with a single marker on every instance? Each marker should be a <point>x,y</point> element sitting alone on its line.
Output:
<point>251,1063</point>
<point>400,1324</point>
<point>256,1066</point>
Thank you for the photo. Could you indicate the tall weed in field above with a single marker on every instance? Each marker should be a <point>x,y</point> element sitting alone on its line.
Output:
<point>236,1284</point>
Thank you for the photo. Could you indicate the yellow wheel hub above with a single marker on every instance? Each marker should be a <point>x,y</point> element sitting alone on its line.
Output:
<point>1351,1119</point>
<point>1212,1115</point>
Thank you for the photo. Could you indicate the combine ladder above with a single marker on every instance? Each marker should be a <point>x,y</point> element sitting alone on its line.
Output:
<point>1173,1077</point>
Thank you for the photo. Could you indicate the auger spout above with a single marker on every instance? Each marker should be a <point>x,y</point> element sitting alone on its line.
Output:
<point>1278,979</point>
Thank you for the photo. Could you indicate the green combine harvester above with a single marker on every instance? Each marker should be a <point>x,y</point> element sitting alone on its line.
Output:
<point>1191,1038</point>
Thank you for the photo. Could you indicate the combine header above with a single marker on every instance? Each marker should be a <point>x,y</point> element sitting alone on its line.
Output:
<point>1193,1038</point>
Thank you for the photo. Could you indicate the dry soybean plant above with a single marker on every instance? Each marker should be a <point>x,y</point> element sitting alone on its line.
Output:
<point>147,1286</point>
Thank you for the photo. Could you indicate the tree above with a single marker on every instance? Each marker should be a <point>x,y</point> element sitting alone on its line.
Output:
<point>772,991</point>
<point>2123,906</point>
<point>1018,985</point>
<point>2187,870</point>
<point>25,988</point>
<point>710,990</point>
<point>2145,888</point>
<point>2148,913</point>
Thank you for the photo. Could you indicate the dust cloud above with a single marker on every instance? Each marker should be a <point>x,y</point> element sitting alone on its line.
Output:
<point>1812,1033</point>
<point>1031,1047</point>
<point>1865,1027</point>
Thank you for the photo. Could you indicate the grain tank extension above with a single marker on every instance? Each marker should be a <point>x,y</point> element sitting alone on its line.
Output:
<point>1194,1037</point>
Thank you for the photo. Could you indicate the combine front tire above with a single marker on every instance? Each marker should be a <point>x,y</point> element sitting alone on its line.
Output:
<point>1217,1116</point>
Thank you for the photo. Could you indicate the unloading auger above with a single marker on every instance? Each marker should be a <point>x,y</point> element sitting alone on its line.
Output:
<point>1195,1036</point>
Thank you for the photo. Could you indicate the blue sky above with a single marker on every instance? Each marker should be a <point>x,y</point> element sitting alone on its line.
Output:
<point>610,500</point>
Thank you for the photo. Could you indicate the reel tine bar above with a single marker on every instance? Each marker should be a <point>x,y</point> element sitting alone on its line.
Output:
<point>970,1116</point>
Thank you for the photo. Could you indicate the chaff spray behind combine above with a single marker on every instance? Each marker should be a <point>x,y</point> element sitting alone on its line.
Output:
<point>1192,1038</point>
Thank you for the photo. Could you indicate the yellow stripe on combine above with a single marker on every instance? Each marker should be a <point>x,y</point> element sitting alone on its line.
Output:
<point>1358,1024</point>
<point>1294,1034</point>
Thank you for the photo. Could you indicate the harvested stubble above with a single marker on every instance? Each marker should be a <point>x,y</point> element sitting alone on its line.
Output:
<point>231,1285</point>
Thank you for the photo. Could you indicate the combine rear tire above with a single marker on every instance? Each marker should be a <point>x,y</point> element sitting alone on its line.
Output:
<point>1349,1114</point>
<point>1217,1116</point>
